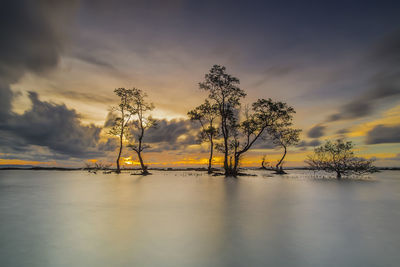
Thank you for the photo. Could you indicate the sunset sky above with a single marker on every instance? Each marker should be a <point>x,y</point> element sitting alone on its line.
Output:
<point>336,62</point>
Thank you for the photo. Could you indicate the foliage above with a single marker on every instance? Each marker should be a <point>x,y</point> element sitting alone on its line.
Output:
<point>123,111</point>
<point>283,136</point>
<point>338,157</point>
<point>239,134</point>
<point>141,121</point>
<point>206,114</point>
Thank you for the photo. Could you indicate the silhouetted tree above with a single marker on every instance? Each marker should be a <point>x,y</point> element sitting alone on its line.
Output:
<point>238,137</point>
<point>224,91</point>
<point>338,157</point>
<point>265,163</point>
<point>206,114</point>
<point>283,137</point>
<point>96,166</point>
<point>123,113</point>
<point>140,123</point>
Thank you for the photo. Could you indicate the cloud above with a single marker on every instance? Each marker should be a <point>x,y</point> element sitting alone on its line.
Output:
<point>172,135</point>
<point>311,143</point>
<point>32,37</point>
<point>169,131</point>
<point>86,97</point>
<point>385,58</point>
<point>316,131</point>
<point>381,134</point>
<point>91,59</point>
<point>343,131</point>
<point>54,127</point>
<point>397,157</point>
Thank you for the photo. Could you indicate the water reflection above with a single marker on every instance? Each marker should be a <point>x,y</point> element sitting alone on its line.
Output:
<point>182,219</point>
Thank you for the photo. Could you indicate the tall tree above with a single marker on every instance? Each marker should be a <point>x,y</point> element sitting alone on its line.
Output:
<point>123,113</point>
<point>224,92</point>
<point>142,121</point>
<point>207,115</point>
<point>283,137</point>
<point>338,157</point>
<point>239,136</point>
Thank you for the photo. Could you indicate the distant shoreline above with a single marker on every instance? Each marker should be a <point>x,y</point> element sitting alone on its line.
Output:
<point>36,168</point>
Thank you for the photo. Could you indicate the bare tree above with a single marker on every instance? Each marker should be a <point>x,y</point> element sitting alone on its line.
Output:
<point>141,122</point>
<point>283,137</point>
<point>206,114</point>
<point>96,166</point>
<point>123,113</point>
<point>338,157</point>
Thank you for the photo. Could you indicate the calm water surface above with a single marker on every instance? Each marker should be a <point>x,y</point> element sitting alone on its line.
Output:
<point>54,218</point>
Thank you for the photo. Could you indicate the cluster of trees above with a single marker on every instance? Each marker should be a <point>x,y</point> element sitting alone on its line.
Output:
<point>235,129</point>
<point>230,128</point>
<point>131,121</point>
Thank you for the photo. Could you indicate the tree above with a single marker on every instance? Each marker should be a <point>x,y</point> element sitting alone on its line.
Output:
<point>338,157</point>
<point>142,122</point>
<point>96,166</point>
<point>224,91</point>
<point>239,136</point>
<point>123,113</point>
<point>283,137</point>
<point>265,164</point>
<point>206,114</point>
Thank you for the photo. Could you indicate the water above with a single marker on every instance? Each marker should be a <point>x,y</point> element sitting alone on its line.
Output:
<point>55,218</point>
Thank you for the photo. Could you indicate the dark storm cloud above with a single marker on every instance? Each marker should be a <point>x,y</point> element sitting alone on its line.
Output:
<point>316,131</point>
<point>386,81</point>
<point>169,131</point>
<point>33,37</point>
<point>172,135</point>
<point>384,134</point>
<point>31,40</point>
<point>167,135</point>
<point>54,127</point>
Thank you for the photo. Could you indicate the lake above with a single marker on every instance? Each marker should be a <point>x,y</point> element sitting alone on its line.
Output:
<point>181,218</point>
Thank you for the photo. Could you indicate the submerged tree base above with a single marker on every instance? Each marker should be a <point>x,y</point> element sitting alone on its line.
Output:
<point>233,176</point>
<point>280,172</point>
<point>142,173</point>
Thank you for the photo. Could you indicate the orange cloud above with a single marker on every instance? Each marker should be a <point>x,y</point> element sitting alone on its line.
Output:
<point>389,118</point>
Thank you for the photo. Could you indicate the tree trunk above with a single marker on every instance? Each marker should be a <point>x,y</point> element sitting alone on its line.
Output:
<point>226,165</point>
<point>144,167</point>
<point>338,175</point>
<point>119,153</point>
<point>236,166</point>
<point>262,164</point>
<point>278,167</point>
<point>211,156</point>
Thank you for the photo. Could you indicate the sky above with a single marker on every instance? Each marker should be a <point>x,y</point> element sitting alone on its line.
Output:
<point>336,62</point>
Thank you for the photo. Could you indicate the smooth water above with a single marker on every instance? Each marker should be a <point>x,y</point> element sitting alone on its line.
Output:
<point>74,218</point>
